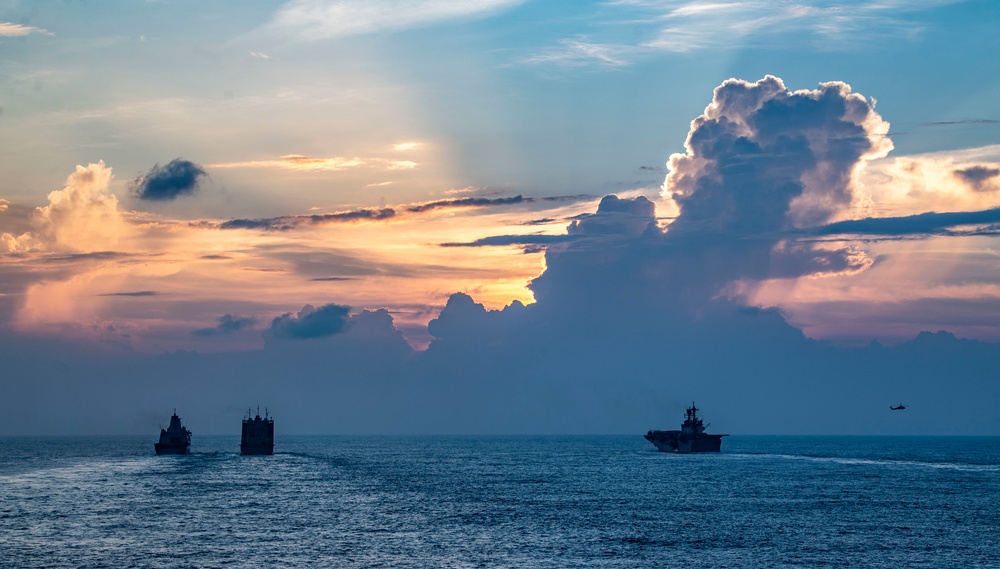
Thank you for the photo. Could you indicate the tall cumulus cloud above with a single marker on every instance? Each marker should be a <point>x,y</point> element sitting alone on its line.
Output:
<point>761,163</point>
<point>82,216</point>
<point>762,158</point>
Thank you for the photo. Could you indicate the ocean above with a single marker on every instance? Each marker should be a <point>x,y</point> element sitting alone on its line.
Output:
<point>498,501</point>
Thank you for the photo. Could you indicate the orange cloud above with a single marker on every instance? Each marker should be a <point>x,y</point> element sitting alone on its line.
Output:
<point>83,216</point>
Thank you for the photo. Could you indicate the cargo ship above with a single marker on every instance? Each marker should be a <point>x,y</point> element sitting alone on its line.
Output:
<point>175,439</point>
<point>690,438</point>
<point>258,434</point>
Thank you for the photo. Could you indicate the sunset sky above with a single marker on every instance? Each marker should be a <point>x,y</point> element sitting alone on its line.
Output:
<point>223,178</point>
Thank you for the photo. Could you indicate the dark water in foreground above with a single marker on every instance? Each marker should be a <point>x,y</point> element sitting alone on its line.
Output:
<point>501,502</point>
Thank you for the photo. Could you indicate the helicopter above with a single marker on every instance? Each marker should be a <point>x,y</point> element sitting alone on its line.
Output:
<point>899,407</point>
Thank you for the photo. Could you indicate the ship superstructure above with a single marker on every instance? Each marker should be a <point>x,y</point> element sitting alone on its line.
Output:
<point>690,438</point>
<point>258,434</point>
<point>175,439</point>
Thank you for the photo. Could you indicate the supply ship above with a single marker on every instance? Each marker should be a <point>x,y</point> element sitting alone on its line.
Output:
<point>691,438</point>
<point>175,439</point>
<point>258,434</point>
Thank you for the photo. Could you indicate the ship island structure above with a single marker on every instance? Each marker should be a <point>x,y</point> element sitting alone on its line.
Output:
<point>175,439</point>
<point>690,438</point>
<point>258,434</point>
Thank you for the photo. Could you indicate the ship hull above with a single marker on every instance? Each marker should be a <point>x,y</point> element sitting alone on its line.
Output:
<point>170,449</point>
<point>668,441</point>
<point>256,450</point>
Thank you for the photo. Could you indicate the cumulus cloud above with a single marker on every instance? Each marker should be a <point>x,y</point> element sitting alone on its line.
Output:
<point>81,217</point>
<point>164,183</point>
<point>763,158</point>
<point>228,324</point>
<point>762,165</point>
<point>311,322</point>
<point>616,216</point>
<point>13,243</point>
<point>766,169</point>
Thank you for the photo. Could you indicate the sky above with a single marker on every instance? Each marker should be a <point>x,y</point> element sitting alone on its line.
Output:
<point>500,216</point>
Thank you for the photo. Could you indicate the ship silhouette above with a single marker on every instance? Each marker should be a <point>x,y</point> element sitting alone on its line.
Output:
<point>175,439</point>
<point>690,438</point>
<point>258,434</point>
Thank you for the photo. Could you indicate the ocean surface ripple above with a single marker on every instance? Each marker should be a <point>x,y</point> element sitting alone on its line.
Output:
<point>573,501</point>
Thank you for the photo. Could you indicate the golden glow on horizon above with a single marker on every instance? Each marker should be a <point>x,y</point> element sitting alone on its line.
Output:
<point>176,268</point>
<point>164,273</point>
<point>941,270</point>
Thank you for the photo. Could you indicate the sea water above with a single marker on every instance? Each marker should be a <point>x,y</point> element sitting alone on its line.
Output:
<point>559,501</point>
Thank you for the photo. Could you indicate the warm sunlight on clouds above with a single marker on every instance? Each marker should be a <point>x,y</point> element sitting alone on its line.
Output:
<point>177,268</point>
<point>942,181</point>
<point>81,217</point>
<point>578,211</point>
<point>8,29</point>
<point>400,164</point>
<point>296,162</point>
<point>404,146</point>
<point>312,164</point>
<point>948,283</point>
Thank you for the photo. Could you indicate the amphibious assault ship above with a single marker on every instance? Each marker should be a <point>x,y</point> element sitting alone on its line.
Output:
<point>691,438</point>
<point>175,439</point>
<point>258,434</point>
